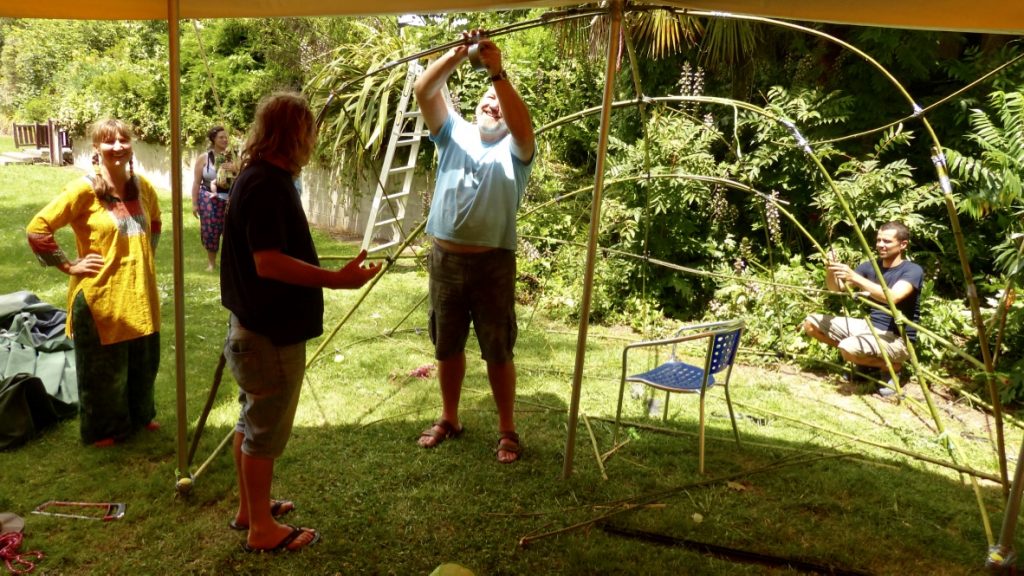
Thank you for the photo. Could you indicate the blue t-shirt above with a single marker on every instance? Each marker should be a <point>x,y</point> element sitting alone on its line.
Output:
<point>909,306</point>
<point>479,187</point>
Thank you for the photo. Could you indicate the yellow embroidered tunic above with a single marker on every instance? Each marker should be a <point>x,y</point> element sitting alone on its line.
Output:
<point>123,296</point>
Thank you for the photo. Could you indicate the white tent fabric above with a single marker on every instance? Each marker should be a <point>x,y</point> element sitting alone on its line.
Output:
<point>991,16</point>
<point>999,16</point>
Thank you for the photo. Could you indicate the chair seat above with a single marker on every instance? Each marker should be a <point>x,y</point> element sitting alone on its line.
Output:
<point>675,376</point>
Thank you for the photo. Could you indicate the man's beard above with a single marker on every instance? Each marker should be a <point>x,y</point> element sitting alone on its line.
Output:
<point>489,127</point>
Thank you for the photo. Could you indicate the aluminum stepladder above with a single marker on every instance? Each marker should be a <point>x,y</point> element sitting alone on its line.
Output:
<point>384,227</point>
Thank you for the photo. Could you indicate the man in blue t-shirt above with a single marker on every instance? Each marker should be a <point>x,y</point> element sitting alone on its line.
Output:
<point>481,177</point>
<point>853,336</point>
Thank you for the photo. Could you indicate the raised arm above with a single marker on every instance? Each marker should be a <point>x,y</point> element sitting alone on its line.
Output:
<point>431,81</point>
<point>513,109</point>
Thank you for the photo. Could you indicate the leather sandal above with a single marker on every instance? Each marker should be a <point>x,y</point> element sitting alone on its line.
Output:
<point>509,442</point>
<point>440,431</point>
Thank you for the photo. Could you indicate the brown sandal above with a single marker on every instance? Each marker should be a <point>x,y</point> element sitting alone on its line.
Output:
<point>509,442</point>
<point>447,430</point>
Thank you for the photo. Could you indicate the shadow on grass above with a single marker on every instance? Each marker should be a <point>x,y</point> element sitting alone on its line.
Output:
<point>386,506</point>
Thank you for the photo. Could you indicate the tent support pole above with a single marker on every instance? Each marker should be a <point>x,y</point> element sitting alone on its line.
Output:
<point>615,11</point>
<point>174,52</point>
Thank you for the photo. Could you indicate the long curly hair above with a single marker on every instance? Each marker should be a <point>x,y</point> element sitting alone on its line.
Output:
<point>282,128</point>
<point>103,131</point>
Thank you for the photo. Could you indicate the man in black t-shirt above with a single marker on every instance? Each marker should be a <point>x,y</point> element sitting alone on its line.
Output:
<point>853,336</point>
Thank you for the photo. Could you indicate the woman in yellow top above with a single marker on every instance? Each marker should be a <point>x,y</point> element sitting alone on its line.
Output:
<point>113,302</point>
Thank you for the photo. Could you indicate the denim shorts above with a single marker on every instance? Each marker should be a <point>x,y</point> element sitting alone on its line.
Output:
<point>477,288</point>
<point>854,336</point>
<point>269,380</point>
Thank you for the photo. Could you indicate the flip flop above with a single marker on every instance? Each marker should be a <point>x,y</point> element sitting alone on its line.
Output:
<point>447,430</point>
<point>511,445</point>
<point>282,546</point>
<point>276,511</point>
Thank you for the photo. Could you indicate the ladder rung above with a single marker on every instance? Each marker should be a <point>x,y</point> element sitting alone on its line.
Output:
<point>384,246</point>
<point>419,135</point>
<point>408,141</point>
<point>387,222</point>
<point>395,196</point>
<point>412,114</point>
<point>402,169</point>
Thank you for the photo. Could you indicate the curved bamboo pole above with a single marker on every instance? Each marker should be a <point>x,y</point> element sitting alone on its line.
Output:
<point>365,291</point>
<point>939,161</point>
<point>546,19</point>
<point>616,9</point>
<point>805,146</point>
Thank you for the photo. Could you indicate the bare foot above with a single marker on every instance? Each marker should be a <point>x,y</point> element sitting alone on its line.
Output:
<point>278,508</point>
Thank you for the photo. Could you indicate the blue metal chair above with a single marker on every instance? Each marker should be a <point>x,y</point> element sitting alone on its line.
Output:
<point>675,375</point>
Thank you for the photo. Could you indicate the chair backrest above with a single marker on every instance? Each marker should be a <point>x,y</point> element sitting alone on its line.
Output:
<point>723,351</point>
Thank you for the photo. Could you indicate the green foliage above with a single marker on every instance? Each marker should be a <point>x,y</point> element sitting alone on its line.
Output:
<point>995,174</point>
<point>228,65</point>
<point>361,114</point>
<point>1011,358</point>
<point>663,33</point>
<point>85,71</point>
<point>773,302</point>
<point>948,319</point>
<point>990,176</point>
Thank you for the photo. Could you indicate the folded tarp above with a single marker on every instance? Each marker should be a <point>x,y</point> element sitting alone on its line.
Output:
<point>26,409</point>
<point>32,341</point>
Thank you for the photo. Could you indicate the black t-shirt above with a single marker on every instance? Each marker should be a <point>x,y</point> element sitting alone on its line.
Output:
<point>264,213</point>
<point>909,306</point>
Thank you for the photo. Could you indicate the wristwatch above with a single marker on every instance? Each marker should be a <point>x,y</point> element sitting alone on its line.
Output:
<point>500,76</point>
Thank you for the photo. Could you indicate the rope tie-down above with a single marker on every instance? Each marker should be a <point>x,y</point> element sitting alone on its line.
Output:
<point>17,563</point>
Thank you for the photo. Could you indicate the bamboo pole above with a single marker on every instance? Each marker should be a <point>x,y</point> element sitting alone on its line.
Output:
<point>915,455</point>
<point>183,480</point>
<point>365,291</point>
<point>597,451</point>
<point>642,501</point>
<point>615,11</point>
<point>939,161</point>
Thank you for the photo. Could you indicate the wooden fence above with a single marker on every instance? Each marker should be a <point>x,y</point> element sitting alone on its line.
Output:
<point>49,135</point>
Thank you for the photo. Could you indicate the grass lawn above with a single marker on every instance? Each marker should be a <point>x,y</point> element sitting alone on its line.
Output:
<point>801,488</point>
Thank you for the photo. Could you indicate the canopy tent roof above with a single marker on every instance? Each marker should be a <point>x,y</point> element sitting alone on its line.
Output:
<point>997,16</point>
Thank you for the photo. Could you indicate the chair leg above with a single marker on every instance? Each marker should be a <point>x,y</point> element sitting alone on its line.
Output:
<point>618,412</point>
<point>732,417</point>
<point>700,438</point>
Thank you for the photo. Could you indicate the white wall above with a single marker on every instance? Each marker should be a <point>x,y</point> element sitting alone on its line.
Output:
<point>327,197</point>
